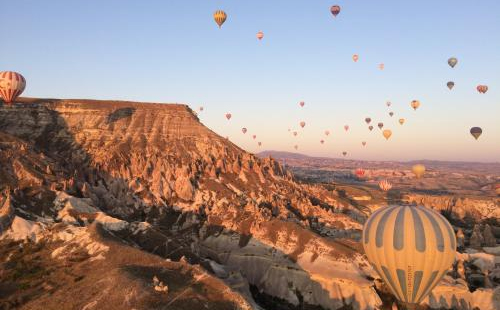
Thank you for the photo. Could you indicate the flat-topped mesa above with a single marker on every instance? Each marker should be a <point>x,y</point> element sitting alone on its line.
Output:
<point>160,151</point>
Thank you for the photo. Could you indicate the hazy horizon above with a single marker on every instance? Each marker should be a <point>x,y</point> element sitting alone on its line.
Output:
<point>174,52</point>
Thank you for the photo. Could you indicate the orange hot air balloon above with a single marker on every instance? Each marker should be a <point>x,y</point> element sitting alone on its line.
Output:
<point>220,17</point>
<point>228,116</point>
<point>363,143</point>
<point>355,57</point>
<point>370,128</point>
<point>385,185</point>
<point>327,132</point>
<point>381,66</point>
<point>302,103</point>
<point>335,9</point>
<point>244,130</point>
<point>254,136</point>
<point>346,127</point>
<point>360,172</point>
<point>387,134</point>
<point>401,121</point>
<point>322,141</point>
<point>12,84</point>
<point>418,170</point>
<point>415,104</point>
<point>260,35</point>
<point>302,124</point>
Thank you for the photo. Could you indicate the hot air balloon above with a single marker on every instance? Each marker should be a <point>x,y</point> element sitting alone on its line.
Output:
<point>368,120</point>
<point>411,248</point>
<point>355,57</point>
<point>452,62</point>
<point>322,141</point>
<point>476,132</point>
<point>260,143</point>
<point>482,89</point>
<point>346,127</point>
<point>220,17</point>
<point>388,103</point>
<point>302,124</point>
<point>295,133</point>
<point>260,35</point>
<point>415,104</point>
<point>385,185</point>
<point>401,121</point>
<point>302,103</point>
<point>201,108</point>
<point>228,116</point>
<point>450,84</point>
<point>497,189</point>
<point>244,130</point>
<point>387,134</point>
<point>335,10</point>
<point>359,172</point>
<point>344,153</point>
<point>418,170</point>
<point>254,136</point>
<point>296,147</point>
<point>391,114</point>
<point>370,128</point>
<point>327,132</point>
<point>363,143</point>
<point>380,125</point>
<point>381,66</point>
<point>12,84</point>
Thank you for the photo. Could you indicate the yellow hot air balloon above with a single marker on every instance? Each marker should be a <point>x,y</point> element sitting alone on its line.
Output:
<point>411,248</point>
<point>415,104</point>
<point>418,170</point>
<point>387,134</point>
<point>220,17</point>
<point>401,121</point>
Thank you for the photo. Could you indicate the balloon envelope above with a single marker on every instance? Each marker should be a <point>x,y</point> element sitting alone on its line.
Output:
<point>452,62</point>
<point>260,35</point>
<point>302,124</point>
<point>415,104</point>
<point>380,125</point>
<point>335,9</point>
<point>370,128</point>
<point>12,84</point>
<point>244,130</point>
<point>302,103</point>
<point>411,248</point>
<point>401,121</point>
<point>450,84</point>
<point>228,116</point>
<point>385,185</point>
<point>368,120</point>
<point>387,134</point>
<point>355,57</point>
<point>220,17</point>
<point>476,132</point>
<point>418,170</point>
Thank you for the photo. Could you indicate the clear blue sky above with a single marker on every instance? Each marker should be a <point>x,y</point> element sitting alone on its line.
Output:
<point>172,51</point>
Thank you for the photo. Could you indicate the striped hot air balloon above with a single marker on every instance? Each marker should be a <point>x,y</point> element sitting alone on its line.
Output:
<point>411,248</point>
<point>12,84</point>
<point>260,35</point>
<point>385,185</point>
<point>220,17</point>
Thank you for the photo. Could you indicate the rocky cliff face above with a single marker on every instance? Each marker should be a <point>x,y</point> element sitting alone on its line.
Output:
<point>156,179</point>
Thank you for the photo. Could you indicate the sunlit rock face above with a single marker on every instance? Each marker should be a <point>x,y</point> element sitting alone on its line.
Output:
<point>156,179</point>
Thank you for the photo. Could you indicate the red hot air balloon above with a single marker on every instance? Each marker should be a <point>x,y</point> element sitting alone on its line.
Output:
<point>360,172</point>
<point>355,57</point>
<point>346,127</point>
<point>254,136</point>
<point>12,84</point>
<point>228,116</point>
<point>244,130</point>
<point>260,35</point>
<point>482,89</point>
<point>335,10</point>
<point>302,124</point>
<point>385,185</point>
<point>302,103</point>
